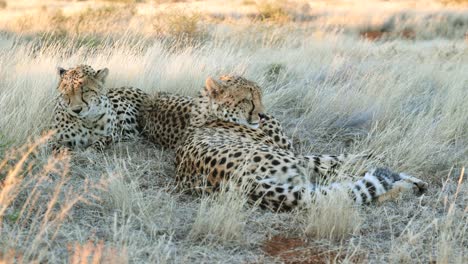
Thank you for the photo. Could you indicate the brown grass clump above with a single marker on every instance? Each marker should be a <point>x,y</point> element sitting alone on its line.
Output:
<point>408,34</point>
<point>273,11</point>
<point>249,2</point>
<point>182,28</point>
<point>376,35</point>
<point>372,35</point>
<point>167,1</point>
<point>100,20</point>
<point>454,2</point>
<point>122,1</point>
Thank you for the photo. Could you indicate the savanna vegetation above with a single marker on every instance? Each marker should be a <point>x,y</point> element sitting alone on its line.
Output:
<point>382,77</point>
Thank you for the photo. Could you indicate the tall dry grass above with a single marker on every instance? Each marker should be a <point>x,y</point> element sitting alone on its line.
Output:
<point>322,223</point>
<point>221,218</point>
<point>404,101</point>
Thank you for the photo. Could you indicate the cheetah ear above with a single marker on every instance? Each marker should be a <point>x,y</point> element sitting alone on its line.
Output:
<point>101,74</point>
<point>61,71</point>
<point>212,88</point>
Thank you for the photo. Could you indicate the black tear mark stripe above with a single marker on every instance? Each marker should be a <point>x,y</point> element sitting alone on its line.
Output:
<point>84,101</point>
<point>253,108</point>
<point>100,117</point>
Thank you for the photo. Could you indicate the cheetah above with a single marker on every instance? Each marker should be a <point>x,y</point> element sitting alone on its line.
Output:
<point>222,141</point>
<point>169,116</point>
<point>88,115</point>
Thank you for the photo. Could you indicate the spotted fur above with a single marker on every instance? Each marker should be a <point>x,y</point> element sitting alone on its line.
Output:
<point>86,114</point>
<point>223,139</point>
<point>168,116</point>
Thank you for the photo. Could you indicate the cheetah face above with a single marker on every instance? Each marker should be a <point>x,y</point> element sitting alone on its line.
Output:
<point>81,91</point>
<point>235,99</point>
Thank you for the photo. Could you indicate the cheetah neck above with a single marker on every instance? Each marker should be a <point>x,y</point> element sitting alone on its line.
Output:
<point>203,112</point>
<point>102,111</point>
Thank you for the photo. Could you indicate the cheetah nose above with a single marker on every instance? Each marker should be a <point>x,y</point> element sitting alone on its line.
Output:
<point>262,116</point>
<point>77,110</point>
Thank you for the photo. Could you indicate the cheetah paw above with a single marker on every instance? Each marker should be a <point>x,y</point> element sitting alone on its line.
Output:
<point>418,186</point>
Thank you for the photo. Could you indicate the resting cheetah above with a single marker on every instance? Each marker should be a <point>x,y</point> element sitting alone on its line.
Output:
<point>86,114</point>
<point>170,115</point>
<point>222,140</point>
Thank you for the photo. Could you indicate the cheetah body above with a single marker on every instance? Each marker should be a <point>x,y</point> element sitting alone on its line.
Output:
<point>227,138</point>
<point>168,117</point>
<point>87,115</point>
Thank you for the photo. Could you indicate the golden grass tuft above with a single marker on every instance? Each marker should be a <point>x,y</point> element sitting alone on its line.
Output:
<point>273,11</point>
<point>184,27</point>
<point>221,218</point>
<point>454,2</point>
<point>36,201</point>
<point>332,217</point>
<point>453,227</point>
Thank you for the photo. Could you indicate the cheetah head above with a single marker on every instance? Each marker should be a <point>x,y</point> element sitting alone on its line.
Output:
<point>235,99</point>
<point>81,89</point>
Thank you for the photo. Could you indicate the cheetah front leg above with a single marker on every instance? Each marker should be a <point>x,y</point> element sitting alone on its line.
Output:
<point>61,142</point>
<point>57,147</point>
<point>101,143</point>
